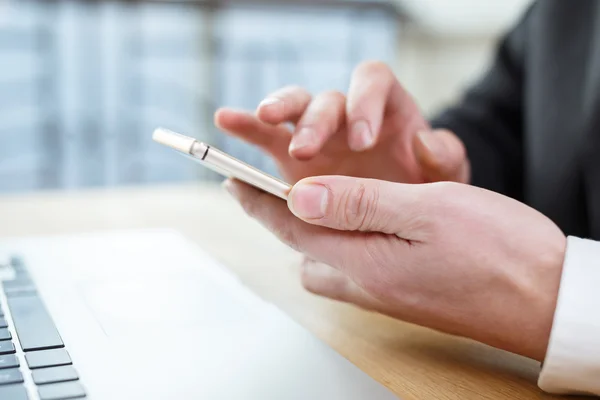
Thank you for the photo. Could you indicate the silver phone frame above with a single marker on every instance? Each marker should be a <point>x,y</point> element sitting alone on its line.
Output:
<point>222,163</point>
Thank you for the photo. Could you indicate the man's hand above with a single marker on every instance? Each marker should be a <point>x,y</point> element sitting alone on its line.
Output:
<point>376,131</point>
<point>448,256</point>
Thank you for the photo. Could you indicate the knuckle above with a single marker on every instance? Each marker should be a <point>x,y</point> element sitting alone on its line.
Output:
<point>294,92</point>
<point>461,151</point>
<point>333,95</point>
<point>307,278</point>
<point>323,281</point>
<point>373,67</point>
<point>297,100</point>
<point>288,236</point>
<point>325,113</point>
<point>442,198</point>
<point>292,96</point>
<point>327,110</point>
<point>455,145</point>
<point>357,206</point>
<point>369,88</point>
<point>254,206</point>
<point>373,285</point>
<point>307,283</point>
<point>294,89</point>
<point>442,189</point>
<point>250,207</point>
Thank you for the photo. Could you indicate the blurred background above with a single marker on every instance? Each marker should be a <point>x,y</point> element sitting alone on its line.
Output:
<point>84,83</point>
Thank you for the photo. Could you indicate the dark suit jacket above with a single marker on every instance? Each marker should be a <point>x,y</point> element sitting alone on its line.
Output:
<point>532,124</point>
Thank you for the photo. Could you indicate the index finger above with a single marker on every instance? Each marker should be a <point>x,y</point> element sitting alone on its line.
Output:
<point>243,125</point>
<point>374,92</point>
<point>284,105</point>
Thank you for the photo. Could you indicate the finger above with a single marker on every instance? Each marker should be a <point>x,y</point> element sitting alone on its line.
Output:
<point>374,92</point>
<point>326,281</point>
<point>247,127</point>
<point>307,260</point>
<point>285,105</point>
<point>313,241</point>
<point>367,205</point>
<point>442,156</point>
<point>321,120</point>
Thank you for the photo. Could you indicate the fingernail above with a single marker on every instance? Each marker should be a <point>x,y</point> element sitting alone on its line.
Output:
<point>268,101</point>
<point>309,201</point>
<point>430,142</point>
<point>273,103</point>
<point>304,138</point>
<point>362,137</point>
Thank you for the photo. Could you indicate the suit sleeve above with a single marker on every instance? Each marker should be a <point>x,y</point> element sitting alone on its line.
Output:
<point>489,118</point>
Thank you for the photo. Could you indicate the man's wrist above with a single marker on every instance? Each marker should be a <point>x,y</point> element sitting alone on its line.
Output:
<point>553,264</point>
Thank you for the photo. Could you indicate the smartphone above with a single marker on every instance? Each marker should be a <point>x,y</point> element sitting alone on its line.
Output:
<point>221,162</point>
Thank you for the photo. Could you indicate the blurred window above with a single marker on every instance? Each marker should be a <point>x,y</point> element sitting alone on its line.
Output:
<point>83,84</point>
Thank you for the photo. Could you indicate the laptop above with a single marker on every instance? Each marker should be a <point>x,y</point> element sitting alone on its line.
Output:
<point>148,315</point>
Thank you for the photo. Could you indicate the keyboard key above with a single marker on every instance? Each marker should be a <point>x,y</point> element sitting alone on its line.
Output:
<point>16,283</point>
<point>54,375</point>
<point>5,334</point>
<point>21,291</point>
<point>19,287</point>
<point>8,376</point>
<point>3,323</point>
<point>7,347</point>
<point>19,268</point>
<point>68,390</point>
<point>21,273</point>
<point>17,262</point>
<point>35,328</point>
<point>13,392</point>
<point>48,358</point>
<point>8,361</point>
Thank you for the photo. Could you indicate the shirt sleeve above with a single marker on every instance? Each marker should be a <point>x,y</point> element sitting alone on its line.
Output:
<point>572,364</point>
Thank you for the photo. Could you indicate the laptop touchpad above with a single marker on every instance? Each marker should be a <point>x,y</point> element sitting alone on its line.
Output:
<point>188,301</point>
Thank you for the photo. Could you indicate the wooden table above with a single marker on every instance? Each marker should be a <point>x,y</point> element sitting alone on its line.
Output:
<point>416,363</point>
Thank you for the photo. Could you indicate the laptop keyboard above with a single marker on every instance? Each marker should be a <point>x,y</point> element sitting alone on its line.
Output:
<point>47,362</point>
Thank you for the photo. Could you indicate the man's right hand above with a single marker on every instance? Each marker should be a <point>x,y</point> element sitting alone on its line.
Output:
<point>376,131</point>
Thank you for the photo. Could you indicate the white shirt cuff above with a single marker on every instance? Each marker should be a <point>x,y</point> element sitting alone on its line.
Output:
<point>572,364</point>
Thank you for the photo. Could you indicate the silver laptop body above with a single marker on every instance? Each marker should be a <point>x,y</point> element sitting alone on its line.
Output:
<point>148,315</point>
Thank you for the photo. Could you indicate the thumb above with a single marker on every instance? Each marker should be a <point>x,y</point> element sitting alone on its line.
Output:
<point>353,204</point>
<point>442,156</point>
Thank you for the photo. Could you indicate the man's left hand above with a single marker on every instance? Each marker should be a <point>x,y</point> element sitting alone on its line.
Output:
<point>448,256</point>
